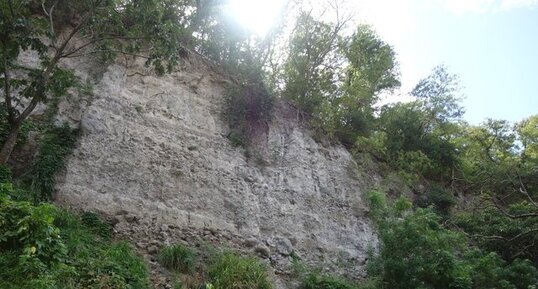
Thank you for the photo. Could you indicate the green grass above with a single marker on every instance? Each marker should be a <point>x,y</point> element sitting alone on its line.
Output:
<point>231,271</point>
<point>320,281</point>
<point>178,258</point>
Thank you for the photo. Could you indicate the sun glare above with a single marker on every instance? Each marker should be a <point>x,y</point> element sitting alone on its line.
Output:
<point>256,15</point>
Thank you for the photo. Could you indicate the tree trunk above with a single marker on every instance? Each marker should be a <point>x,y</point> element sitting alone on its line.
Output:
<point>11,140</point>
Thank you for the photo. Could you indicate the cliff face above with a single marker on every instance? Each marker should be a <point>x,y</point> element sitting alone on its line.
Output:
<point>154,156</point>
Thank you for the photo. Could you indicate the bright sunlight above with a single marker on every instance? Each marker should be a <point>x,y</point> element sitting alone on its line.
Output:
<point>256,15</point>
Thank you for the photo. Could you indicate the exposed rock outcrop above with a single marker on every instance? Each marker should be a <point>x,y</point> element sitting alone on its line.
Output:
<point>154,156</point>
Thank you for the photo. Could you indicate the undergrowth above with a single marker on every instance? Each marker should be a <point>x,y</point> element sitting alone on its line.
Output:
<point>178,258</point>
<point>45,247</point>
<point>231,271</point>
<point>56,144</point>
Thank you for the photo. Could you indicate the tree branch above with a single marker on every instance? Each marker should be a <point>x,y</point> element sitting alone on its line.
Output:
<point>7,86</point>
<point>49,14</point>
<point>96,40</point>
<point>519,216</point>
<point>107,50</point>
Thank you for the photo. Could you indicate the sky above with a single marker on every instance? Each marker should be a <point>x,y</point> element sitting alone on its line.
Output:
<point>492,45</point>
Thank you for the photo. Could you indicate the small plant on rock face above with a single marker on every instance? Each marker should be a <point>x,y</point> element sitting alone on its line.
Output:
<point>230,271</point>
<point>319,281</point>
<point>248,111</point>
<point>177,257</point>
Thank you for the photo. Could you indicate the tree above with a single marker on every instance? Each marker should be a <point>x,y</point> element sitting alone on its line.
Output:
<point>312,64</point>
<point>416,251</point>
<point>441,93</point>
<point>56,30</point>
<point>372,69</point>
<point>528,134</point>
<point>495,167</point>
<point>437,111</point>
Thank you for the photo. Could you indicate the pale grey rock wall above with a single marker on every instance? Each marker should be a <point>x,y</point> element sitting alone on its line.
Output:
<point>154,156</point>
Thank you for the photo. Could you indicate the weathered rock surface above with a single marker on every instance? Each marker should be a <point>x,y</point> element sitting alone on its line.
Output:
<point>154,156</point>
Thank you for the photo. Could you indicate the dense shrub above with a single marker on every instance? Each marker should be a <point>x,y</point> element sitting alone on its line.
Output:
<point>248,111</point>
<point>492,230</point>
<point>56,145</point>
<point>439,198</point>
<point>42,246</point>
<point>96,225</point>
<point>320,281</point>
<point>5,174</point>
<point>417,251</point>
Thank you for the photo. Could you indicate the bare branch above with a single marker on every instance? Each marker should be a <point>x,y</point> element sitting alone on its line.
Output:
<point>7,87</point>
<point>49,14</point>
<point>107,50</point>
<point>519,216</point>
<point>523,190</point>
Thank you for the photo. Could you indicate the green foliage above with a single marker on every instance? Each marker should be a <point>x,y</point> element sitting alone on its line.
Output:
<point>336,80</point>
<point>96,225</point>
<point>418,252</point>
<point>5,174</point>
<point>320,281</point>
<point>44,247</point>
<point>439,198</point>
<point>309,71</point>
<point>105,28</point>
<point>29,232</point>
<point>497,164</point>
<point>230,271</point>
<point>55,146</point>
<point>527,131</point>
<point>495,231</point>
<point>248,111</point>
<point>373,66</point>
<point>418,136</point>
<point>177,257</point>
<point>493,272</point>
<point>372,70</point>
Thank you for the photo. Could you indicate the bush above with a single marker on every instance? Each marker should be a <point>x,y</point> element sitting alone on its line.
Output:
<point>44,247</point>
<point>493,231</point>
<point>29,231</point>
<point>320,281</point>
<point>230,271</point>
<point>55,146</point>
<point>96,225</point>
<point>441,199</point>
<point>5,174</point>
<point>248,111</point>
<point>416,251</point>
<point>491,271</point>
<point>177,257</point>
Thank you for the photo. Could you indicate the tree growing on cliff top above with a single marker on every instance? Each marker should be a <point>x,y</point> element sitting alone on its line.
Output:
<point>56,29</point>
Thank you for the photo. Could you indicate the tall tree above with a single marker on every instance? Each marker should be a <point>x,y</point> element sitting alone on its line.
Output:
<point>56,29</point>
<point>372,69</point>
<point>312,64</point>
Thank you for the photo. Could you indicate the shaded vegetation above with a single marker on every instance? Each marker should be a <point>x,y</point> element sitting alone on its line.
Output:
<point>248,111</point>
<point>178,258</point>
<point>45,247</point>
<point>417,251</point>
<point>56,144</point>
